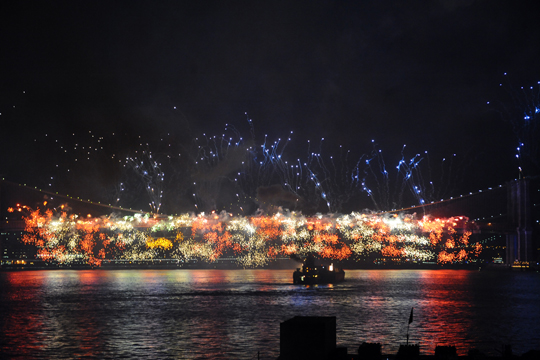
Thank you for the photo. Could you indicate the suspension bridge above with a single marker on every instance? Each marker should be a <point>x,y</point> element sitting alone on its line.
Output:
<point>510,211</point>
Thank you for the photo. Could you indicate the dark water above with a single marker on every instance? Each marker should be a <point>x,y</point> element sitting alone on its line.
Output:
<point>233,314</point>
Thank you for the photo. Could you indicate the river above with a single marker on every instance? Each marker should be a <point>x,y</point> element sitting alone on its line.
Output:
<point>235,314</point>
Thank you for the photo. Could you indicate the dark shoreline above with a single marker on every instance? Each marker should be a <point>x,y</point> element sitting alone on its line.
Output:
<point>271,266</point>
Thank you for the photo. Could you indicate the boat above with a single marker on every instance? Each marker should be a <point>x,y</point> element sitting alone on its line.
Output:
<point>311,274</point>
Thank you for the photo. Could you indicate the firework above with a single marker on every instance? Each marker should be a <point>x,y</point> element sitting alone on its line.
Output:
<point>241,174</point>
<point>253,241</point>
<point>520,107</point>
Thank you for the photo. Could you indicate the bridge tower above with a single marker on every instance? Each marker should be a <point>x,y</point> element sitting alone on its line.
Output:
<point>519,244</point>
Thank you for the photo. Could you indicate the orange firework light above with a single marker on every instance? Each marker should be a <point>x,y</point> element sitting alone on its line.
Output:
<point>253,241</point>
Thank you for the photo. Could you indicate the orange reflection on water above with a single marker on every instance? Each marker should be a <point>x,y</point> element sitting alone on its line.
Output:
<point>90,277</point>
<point>383,310</point>
<point>87,336</point>
<point>33,326</point>
<point>208,276</point>
<point>20,327</point>
<point>442,301</point>
<point>444,315</point>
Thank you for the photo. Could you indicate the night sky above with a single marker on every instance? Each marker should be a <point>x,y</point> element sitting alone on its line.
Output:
<point>163,73</point>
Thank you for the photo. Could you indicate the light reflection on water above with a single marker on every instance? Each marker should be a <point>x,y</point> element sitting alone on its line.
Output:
<point>233,314</point>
